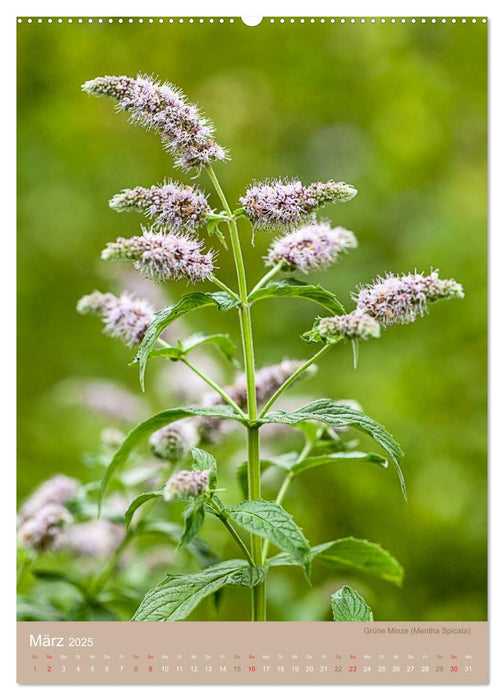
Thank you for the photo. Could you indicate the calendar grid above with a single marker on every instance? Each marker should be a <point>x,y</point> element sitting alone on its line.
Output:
<point>242,652</point>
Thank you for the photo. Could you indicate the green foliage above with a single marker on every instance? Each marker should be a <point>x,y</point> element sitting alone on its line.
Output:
<point>291,287</point>
<point>271,521</point>
<point>194,517</point>
<point>349,606</point>
<point>203,460</point>
<point>164,317</point>
<point>177,596</point>
<point>337,458</point>
<point>137,502</point>
<point>355,554</point>
<point>351,554</point>
<point>154,423</point>
<point>222,341</point>
<point>338,415</point>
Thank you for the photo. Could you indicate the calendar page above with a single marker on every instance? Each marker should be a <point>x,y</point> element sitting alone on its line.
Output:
<point>252,350</point>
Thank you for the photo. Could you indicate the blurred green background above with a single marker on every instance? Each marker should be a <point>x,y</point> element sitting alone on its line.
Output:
<point>397,110</point>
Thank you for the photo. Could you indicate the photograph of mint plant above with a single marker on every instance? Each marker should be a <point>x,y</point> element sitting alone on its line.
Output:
<point>175,246</point>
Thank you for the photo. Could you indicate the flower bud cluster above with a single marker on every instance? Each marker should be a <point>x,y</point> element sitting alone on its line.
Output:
<point>163,256</point>
<point>286,204</point>
<point>185,485</point>
<point>125,317</point>
<point>315,245</point>
<point>402,299</point>
<point>354,326</point>
<point>162,107</point>
<point>57,490</point>
<point>179,207</point>
<point>175,441</point>
<point>41,531</point>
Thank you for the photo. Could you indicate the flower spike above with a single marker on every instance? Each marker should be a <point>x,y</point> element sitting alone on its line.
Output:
<point>163,256</point>
<point>125,317</point>
<point>286,204</point>
<point>402,299</point>
<point>180,207</point>
<point>316,245</point>
<point>162,107</point>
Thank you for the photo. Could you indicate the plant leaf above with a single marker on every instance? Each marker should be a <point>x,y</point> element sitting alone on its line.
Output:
<point>222,341</point>
<point>213,228</point>
<point>203,460</point>
<point>270,520</point>
<point>194,517</point>
<point>338,458</point>
<point>291,287</point>
<point>138,501</point>
<point>338,415</point>
<point>360,555</point>
<point>153,423</point>
<point>349,606</point>
<point>163,318</point>
<point>177,596</point>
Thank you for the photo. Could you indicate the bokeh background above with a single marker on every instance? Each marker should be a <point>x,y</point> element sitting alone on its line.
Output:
<point>397,110</point>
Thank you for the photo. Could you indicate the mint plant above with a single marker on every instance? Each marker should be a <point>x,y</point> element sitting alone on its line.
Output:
<point>169,249</point>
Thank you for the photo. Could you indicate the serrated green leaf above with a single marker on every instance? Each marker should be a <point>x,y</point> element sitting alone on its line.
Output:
<point>350,553</point>
<point>194,517</point>
<point>166,316</point>
<point>177,596</point>
<point>338,415</point>
<point>268,519</point>
<point>360,555</point>
<point>153,423</point>
<point>349,606</point>
<point>338,458</point>
<point>291,287</point>
<point>137,502</point>
<point>203,460</point>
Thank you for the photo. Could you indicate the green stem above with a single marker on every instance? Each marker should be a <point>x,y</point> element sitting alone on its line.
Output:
<point>219,283</point>
<point>256,543</point>
<point>294,376</point>
<point>271,273</point>
<point>254,471</point>
<point>214,386</point>
<point>224,518</point>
